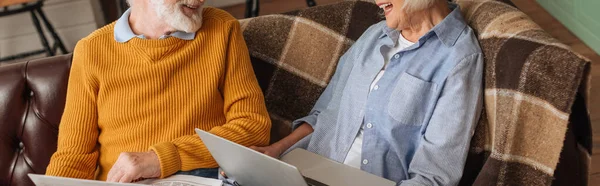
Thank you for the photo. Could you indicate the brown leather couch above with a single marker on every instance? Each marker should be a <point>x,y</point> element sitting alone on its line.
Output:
<point>32,97</point>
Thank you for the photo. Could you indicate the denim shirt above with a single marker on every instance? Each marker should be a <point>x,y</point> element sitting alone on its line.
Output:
<point>419,118</point>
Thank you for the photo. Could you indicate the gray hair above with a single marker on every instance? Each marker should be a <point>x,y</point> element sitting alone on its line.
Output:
<point>411,6</point>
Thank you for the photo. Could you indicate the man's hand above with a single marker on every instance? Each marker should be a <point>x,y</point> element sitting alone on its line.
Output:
<point>132,166</point>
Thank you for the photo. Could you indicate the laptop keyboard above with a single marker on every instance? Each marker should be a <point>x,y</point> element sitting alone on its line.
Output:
<point>312,182</point>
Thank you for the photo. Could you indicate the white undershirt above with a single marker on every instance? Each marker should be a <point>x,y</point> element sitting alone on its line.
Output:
<point>353,158</point>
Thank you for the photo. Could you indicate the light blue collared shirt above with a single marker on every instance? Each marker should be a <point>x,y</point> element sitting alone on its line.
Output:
<point>419,118</point>
<point>123,32</point>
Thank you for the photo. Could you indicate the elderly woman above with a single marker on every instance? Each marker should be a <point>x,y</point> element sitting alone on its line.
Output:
<point>404,100</point>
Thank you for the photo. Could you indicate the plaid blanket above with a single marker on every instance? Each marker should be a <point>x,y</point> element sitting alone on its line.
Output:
<point>534,130</point>
<point>531,85</point>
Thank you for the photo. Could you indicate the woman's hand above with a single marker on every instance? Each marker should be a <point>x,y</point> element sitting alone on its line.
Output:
<point>271,150</point>
<point>279,147</point>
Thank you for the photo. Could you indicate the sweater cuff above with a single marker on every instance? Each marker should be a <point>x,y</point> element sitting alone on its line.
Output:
<point>168,157</point>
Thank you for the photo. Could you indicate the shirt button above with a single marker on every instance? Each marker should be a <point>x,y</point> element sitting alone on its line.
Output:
<point>365,161</point>
<point>397,56</point>
<point>369,125</point>
<point>376,87</point>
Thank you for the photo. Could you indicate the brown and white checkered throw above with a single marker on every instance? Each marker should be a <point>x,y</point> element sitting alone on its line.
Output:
<point>535,127</point>
<point>531,84</point>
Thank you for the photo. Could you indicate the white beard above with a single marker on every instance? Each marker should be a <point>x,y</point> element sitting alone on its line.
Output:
<point>174,17</point>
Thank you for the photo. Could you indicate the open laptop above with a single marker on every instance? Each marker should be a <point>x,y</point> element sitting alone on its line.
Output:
<point>250,168</point>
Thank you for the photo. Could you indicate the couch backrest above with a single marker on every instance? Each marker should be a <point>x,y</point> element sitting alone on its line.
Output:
<point>32,97</point>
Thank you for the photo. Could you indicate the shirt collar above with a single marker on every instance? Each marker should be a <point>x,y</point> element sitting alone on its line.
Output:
<point>123,32</point>
<point>447,31</point>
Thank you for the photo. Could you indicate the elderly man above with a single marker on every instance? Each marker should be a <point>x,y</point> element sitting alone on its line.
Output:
<point>138,88</point>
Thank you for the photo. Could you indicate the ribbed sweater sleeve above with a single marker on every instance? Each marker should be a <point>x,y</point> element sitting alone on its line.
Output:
<point>77,152</point>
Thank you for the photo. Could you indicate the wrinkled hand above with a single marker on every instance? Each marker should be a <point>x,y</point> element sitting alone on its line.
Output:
<point>271,150</point>
<point>132,166</point>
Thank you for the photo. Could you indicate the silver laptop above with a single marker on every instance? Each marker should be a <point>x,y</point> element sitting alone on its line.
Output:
<point>251,168</point>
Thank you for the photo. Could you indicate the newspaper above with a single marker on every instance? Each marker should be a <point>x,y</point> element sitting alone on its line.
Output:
<point>175,180</point>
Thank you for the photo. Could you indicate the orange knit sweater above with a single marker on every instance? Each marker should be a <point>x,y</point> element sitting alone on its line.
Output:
<point>150,95</point>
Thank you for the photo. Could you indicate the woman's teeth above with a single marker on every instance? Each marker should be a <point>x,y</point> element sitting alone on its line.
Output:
<point>384,6</point>
<point>387,7</point>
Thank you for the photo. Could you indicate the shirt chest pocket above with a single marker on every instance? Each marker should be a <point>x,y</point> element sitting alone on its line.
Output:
<point>410,100</point>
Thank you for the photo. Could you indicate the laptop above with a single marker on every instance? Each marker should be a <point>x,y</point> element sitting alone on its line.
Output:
<point>297,168</point>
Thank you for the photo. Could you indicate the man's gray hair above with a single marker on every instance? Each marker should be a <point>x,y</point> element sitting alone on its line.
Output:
<point>411,6</point>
